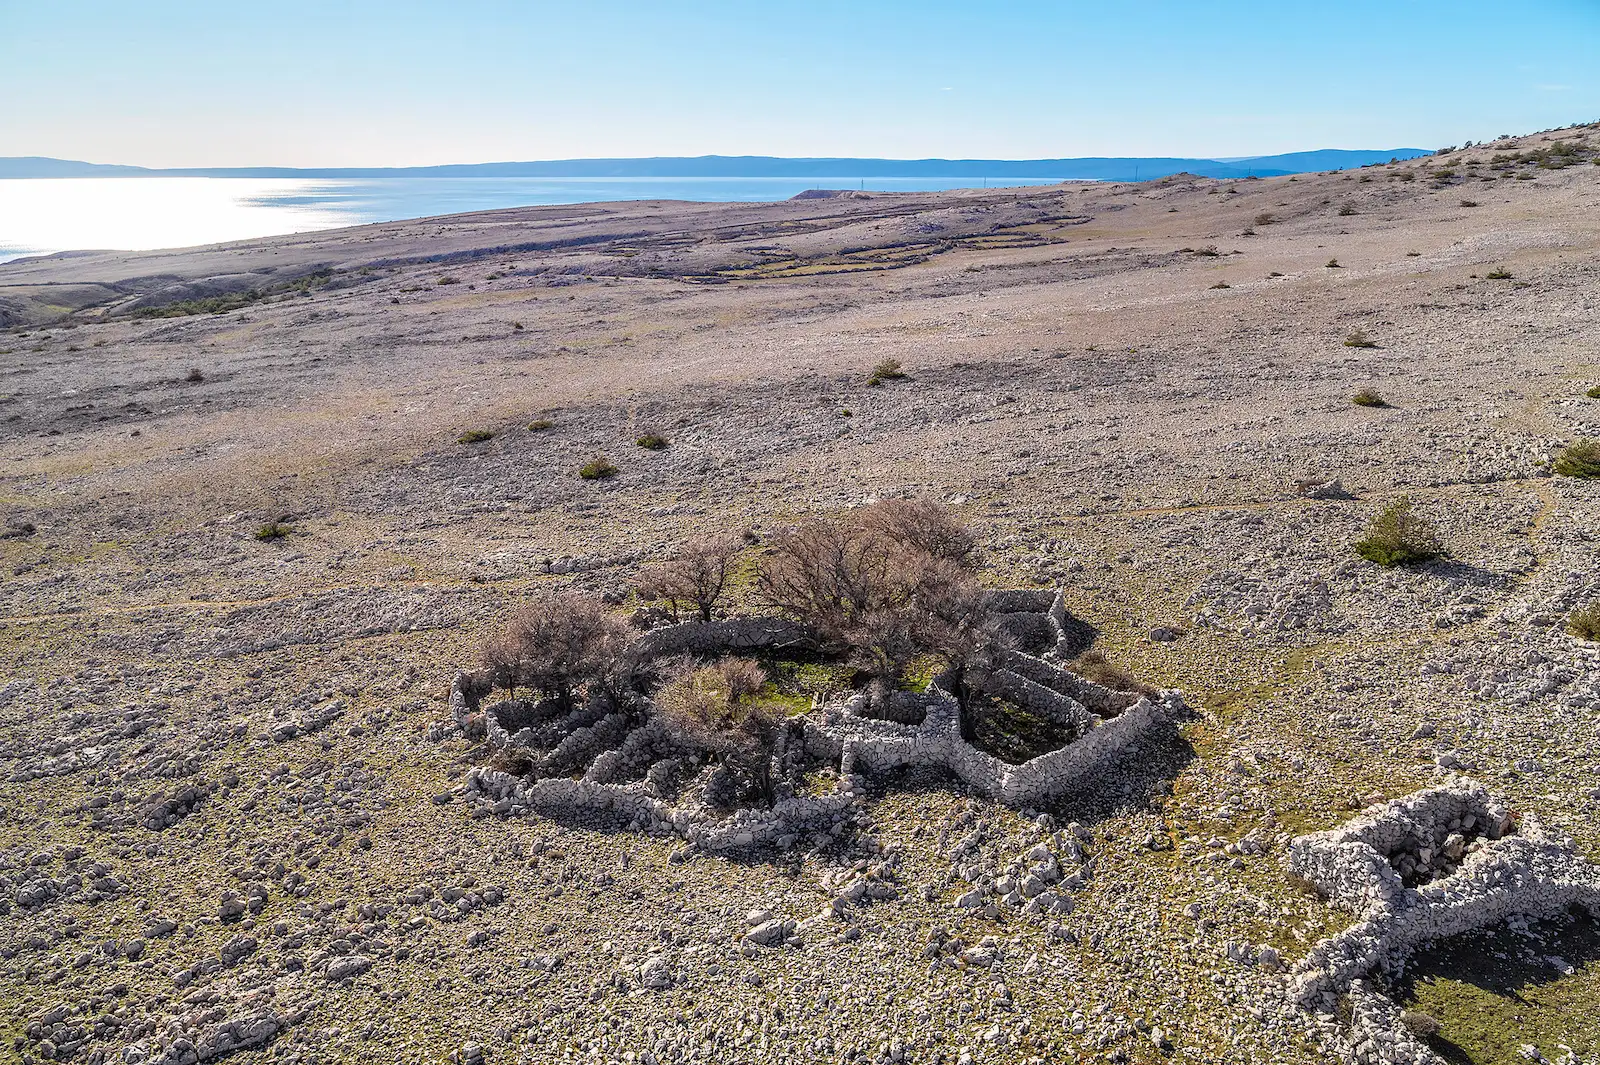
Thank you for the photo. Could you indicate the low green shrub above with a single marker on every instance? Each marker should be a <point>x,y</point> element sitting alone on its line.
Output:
<point>1359,339</point>
<point>1368,397</point>
<point>1580,459</point>
<point>1593,393</point>
<point>651,441</point>
<point>475,436</point>
<point>1584,622</point>
<point>1499,274</point>
<point>273,530</point>
<point>887,370</point>
<point>598,468</point>
<point>540,424</point>
<point>1399,537</point>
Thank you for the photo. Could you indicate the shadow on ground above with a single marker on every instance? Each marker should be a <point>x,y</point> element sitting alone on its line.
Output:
<point>1494,992</point>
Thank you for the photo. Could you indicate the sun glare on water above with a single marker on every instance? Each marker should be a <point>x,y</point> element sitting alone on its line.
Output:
<point>40,215</point>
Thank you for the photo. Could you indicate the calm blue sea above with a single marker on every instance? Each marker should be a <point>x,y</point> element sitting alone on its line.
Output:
<point>42,215</point>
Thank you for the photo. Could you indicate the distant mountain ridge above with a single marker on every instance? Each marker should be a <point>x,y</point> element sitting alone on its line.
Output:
<point>756,166</point>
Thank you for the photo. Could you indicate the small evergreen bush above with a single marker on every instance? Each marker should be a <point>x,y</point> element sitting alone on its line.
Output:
<point>474,436</point>
<point>1368,397</point>
<point>887,370</point>
<point>1399,537</point>
<point>651,441</point>
<point>598,468</point>
<point>1580,459</point>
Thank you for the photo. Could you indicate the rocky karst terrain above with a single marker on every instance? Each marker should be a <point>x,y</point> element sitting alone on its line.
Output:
<point>234,820</point>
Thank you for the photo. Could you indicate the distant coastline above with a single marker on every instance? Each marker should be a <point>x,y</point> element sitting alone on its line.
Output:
<point>55,205</point>
<point>1129,168</point>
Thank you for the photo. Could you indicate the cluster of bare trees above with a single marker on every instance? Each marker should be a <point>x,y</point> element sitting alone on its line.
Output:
<point>881,585</point>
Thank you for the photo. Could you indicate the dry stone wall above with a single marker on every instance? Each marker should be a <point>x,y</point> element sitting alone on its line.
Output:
<point>629,757</point>
<point>1470,865</point>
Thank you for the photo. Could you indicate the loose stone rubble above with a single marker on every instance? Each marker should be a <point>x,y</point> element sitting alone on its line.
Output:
<point>1439,863</point>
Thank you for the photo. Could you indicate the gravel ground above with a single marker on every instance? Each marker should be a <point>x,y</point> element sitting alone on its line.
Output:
<point>227,814</point>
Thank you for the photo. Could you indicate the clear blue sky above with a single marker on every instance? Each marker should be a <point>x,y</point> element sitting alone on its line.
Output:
<point>360,82</point>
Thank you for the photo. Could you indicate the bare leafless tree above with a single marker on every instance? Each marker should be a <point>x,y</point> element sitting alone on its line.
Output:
<point>923,525</point>
<point>886,584</point>
<point>696,577</point>
<point>500,657</point>
<point>559,643</point>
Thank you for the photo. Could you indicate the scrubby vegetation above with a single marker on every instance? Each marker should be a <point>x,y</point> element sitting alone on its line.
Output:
<point>558,644</point>
<point>1398,536</point>
<point>1593,393</point>
<point>1584,622</point>
<point>887,370</point>
<point>1359,339</point>
<point>210,305</point>
<point>719,709</point>
<point>1580,459</point>
<point>234,301</point>
<point>1368,397</point>
<point>1499,274</point>
<point>883,585</point>
<point>1095,666</point>
<point>651,441</point>
<point>273,530</point>
<point>538,425</point>
<point>598,468</point>
<point>475,436</point>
